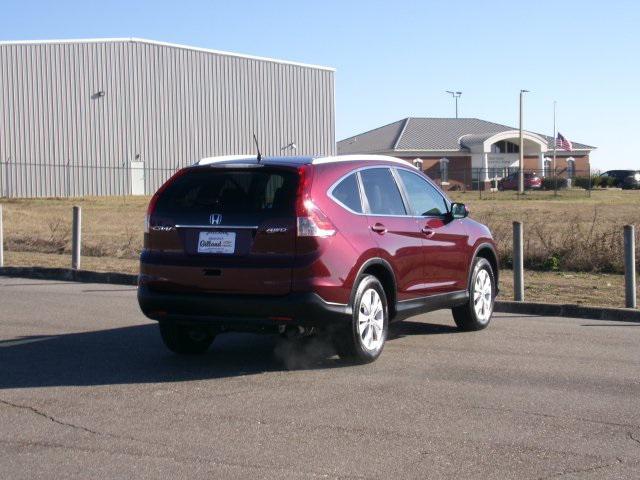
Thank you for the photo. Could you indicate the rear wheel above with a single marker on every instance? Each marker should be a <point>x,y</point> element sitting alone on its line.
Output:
<point>185,339</point>
<point>364,339</point>
<point>476,313</point>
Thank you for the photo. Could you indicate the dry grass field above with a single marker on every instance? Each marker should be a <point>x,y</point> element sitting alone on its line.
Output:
<point>573,244</point>
<point>566,233</point>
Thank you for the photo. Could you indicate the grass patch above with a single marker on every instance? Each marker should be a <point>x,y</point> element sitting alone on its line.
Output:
<point>573,243</point>
<point>576,233</point>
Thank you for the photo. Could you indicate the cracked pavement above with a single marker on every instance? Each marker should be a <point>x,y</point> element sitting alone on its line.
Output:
<point>97,395</point>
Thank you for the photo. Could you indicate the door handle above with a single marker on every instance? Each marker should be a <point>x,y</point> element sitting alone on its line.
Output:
<point>379,228</point>
<point>428,232</point>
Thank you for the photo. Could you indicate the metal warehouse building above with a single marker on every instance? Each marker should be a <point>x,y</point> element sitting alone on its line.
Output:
<point>118,116</point>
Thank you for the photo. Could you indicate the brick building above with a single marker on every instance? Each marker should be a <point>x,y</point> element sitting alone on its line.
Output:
<point>467,151</point>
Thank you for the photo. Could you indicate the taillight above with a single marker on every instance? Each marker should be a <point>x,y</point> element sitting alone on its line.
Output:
<point>311,221</point>
<point>156,196</point>
<point>314,223</point>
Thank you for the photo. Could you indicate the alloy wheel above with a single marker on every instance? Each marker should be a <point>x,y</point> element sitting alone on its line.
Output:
<point>371,320</point>
<point>482,296</point>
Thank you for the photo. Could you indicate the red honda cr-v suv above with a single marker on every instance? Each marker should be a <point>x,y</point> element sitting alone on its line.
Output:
<point>336,245</point>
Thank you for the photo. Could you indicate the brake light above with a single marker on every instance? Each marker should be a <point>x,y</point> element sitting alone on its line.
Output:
<point>314,223</point>
<point>153,203</point>
<point>311,221</point>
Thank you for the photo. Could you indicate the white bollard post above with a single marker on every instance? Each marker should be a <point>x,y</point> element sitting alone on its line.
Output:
<point>518,263</point>
<point>630,266</point>
<point>76,240</point>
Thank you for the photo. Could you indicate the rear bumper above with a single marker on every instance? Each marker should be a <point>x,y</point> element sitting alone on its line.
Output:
<point>242,312</point>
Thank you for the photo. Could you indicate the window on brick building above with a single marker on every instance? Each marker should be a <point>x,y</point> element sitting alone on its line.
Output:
<point>571,167</point>
<point>444,170</point>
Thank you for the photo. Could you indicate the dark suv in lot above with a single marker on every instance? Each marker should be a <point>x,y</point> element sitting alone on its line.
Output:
<point>625,179</point>
<point>340,246</point>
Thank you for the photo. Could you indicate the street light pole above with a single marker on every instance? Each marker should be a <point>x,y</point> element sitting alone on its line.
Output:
<point>521,162</point>
<point>455,95</point>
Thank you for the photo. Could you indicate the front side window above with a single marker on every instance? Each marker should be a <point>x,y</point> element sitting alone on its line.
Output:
<point>347,193</point>
<point>424,199</point>
<point>382,192</point>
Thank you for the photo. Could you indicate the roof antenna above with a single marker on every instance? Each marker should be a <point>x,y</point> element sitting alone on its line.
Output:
<point>255,139</point>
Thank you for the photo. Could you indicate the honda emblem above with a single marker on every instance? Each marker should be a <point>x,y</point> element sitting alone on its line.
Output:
<point>215,219</point>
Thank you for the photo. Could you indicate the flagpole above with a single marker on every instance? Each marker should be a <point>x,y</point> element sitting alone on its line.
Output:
<point>555,144</point>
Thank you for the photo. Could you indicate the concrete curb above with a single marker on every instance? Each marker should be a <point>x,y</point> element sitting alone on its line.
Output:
<point>528,308</point>
<point>569,310</point>
<point>69,275</point>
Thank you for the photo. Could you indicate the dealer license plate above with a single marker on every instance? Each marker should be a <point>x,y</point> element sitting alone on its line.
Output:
<point>217,242</point>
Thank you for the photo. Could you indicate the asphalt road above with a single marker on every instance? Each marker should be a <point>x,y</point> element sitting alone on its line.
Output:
<point>87,390</point>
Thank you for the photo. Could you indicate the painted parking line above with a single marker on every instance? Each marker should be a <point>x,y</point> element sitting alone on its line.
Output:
<point>23,341</point>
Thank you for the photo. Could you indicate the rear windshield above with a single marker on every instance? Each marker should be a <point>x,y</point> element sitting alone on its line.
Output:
<point>249,191</point>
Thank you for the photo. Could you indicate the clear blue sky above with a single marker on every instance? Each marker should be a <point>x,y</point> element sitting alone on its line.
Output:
<point>396,58</point>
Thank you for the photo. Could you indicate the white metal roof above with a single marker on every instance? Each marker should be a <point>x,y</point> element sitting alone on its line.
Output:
<point>313,161</point>
<point>164,44</point>
<point>225,158</point>
<point>360,158</point>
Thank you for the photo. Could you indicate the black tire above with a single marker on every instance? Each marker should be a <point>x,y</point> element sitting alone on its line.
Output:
<point>466,316</point>
<point>351,342</point>
<point>185,339</point>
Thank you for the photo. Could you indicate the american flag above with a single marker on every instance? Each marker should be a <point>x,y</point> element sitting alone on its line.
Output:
<point>563,143</point>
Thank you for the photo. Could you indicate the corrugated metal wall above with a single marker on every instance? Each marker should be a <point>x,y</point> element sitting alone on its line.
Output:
<point>74,115</point>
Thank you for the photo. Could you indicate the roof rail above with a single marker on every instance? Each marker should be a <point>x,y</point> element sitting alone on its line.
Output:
<point>361,158</point>
<point>225,158</point>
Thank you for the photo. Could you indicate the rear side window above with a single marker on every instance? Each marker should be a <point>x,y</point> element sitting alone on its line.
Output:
<point>382,192</point>
<point>423,197</point>
<point>249,191</point>
<point>347,193</point>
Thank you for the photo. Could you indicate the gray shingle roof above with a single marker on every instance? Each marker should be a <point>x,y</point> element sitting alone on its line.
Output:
<point>435,134</point>
<point>376,140</point>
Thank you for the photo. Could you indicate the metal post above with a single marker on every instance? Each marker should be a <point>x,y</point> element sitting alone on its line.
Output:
<point>1,241</point>
<point>630,266</point>
<point>555,146</point>
<point>77,238</point>
<point>521,154</point>
<point>518,263</point>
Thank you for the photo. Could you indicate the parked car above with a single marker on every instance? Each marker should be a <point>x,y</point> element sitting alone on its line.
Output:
<point>339,246</point>
<point>511,182</point>
<point>626,179</point>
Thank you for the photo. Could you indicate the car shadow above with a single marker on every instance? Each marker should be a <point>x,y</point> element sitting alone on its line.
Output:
<point>136,355</point>
<point>408,328</point>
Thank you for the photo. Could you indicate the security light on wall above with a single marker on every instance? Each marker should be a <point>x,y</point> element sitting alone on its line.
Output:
<point>292,146</point>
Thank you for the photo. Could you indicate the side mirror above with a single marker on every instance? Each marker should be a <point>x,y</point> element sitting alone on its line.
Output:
<point>459,210</point>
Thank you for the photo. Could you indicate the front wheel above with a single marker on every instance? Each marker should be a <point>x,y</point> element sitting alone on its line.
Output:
<point>185,339</point>
<point>364,339</point>
<point>476,313</point>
